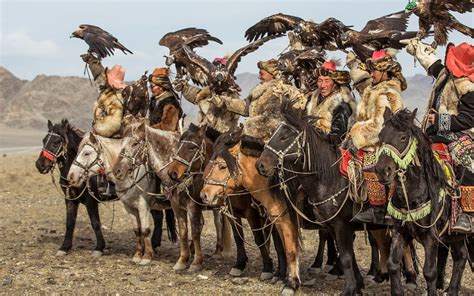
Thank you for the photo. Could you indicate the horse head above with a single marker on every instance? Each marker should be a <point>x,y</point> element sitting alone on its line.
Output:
<point>398,144</point>
<point>221,174</point>
<point>88,162</point>
<point>191,154</point>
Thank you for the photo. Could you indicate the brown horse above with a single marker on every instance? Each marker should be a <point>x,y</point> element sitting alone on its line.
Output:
<point>194,152</point>
<point>228,170</point>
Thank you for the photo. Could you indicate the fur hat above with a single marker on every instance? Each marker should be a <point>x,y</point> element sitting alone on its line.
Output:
<point>271,66</point>
<point>459,60</point>
<point>384,60</point>
<point>160,76</point>
<point>329,68</point>
<point>115,77</point>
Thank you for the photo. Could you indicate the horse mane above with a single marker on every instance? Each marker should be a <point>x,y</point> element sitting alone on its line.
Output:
<point>251,146</point>
<point>434,174</point>
<point>192,129</point>
<point>221,148</point>
<point>212,134</point>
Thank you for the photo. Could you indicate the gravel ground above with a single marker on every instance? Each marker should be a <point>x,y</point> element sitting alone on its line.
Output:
<point>32,216</point>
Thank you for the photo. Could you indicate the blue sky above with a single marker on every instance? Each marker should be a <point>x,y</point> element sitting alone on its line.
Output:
<point>35,34</point>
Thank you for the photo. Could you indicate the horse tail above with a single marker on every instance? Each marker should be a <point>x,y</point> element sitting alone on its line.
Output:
<point>171,225</point>
<point>226,236</point>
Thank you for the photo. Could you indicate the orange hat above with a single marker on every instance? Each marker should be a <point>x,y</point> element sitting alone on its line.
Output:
<point>116,76</point>
<point>159,76</point>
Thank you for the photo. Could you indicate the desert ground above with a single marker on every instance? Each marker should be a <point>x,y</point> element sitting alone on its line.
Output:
<point>32,222</point>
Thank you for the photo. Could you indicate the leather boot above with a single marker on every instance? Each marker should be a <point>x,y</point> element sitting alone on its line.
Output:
<point>463,224</point>
<point>365,216</point>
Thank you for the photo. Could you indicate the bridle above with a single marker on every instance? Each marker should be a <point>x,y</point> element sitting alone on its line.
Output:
<point>60,151</point>
<point>281,154</point>
<point>96,162</point>
<point>138,158</point>
<point>224,184</point>
<point>199,154</point>
<point>404,158</point>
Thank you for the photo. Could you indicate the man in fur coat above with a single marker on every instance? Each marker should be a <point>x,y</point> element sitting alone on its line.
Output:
<point>262,106</point>
<point>450,115</point>
<point>332,102</point>
<point>211,115</point>
<point>165,109</point>
<point>380,86</point>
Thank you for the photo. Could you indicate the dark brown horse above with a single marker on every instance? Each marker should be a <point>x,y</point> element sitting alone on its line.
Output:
<point>193,154</point>
<point>60,148</point>
<point>421,205</point>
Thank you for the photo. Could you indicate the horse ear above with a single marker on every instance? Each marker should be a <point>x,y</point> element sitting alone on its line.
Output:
<point>92,138</point>
<point>413,114</point>
<point>387,114</point>
<point>141,129</point>
<point>50,125</point>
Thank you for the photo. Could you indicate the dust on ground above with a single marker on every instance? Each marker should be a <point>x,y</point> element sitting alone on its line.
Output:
<point>32,223</point>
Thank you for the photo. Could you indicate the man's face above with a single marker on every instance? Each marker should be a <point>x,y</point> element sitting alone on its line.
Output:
<point>325,85</point>
<point>264,76</point>
<point>377,76</point>
<point>156,90</point>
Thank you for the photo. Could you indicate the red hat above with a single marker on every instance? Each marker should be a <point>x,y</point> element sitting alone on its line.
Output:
<point>222,61</point>
<point>116,76</point>
<point>329,65</point>
<point>460,60</point>
<point>379,54</point>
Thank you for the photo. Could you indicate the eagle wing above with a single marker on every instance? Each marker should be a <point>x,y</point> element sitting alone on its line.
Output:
<point>191,37</point>
<point>276,24</point>
<point>329,32</point>
<point>460,6</point>
<point>235,58</point>
<point>100,41</point>
<point>397,21</point>
<point>198,67</point>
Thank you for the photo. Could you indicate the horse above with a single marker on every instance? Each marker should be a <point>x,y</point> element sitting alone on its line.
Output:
<point>421,206</point>
<point>195,150</point>
<point>96,156</point>
<point>60,146</point>
<point>156,148</point>
<point>299,152</point>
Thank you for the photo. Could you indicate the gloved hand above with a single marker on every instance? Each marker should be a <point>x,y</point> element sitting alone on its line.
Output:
<point>86,57</point>
<point>179,84</point>
<point>352,60</point>
<point>217,101</point>
<point>424,53</point>
<point>358,71</point>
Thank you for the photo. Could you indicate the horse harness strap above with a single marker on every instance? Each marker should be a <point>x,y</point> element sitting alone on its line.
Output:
<point>60,150</point>
<point>402,159</point>
<point>198,154</point>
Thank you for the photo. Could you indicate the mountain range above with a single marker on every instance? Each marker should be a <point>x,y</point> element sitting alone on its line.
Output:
<point>29,104</point>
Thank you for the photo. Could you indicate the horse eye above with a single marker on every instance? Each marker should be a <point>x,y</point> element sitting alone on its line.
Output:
<point>284,137</point>
<point>222,166</point>
<point>403,138</point>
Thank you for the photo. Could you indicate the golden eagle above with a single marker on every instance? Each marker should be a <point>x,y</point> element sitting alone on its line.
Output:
<point>379,33</point>
<point>101,42</point>
<point>299,65</point>
<point>216,75</point>
<point>309,33</point>
<point>189,37</point>
<point>436,13</point>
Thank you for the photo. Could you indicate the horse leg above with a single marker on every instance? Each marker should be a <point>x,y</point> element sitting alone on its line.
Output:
<point>393,263</point>
<point>280,274</point>
<point>197,222</point>
<point>383,244</point>
<point>409,263</point>
<point>441,266</point>
<point>430,245</point>
<point>459,254</point>
<point>374,254</point>
<point>260,237</point>
<point>332,251</point>
<point>344,240</point>
<point>219,228</point>
<point>71,215</point>
<point>315,268</point>
<point>181,216</point>
<point>133,213</point>
<point>239,266</point>
<point>146,228</point>
<point>93,212</point>
<point>158,230</point>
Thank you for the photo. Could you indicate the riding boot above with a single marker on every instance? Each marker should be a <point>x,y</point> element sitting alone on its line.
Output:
<point>463,224</point>
<point>102,184</point>
<point>110,190</point>
<point>365,216</point>
<point>379,214</point>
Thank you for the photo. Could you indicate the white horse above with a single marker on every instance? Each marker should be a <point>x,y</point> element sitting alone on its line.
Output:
<point>96,156</point>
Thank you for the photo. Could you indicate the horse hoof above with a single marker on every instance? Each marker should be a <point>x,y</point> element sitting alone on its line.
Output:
<point>287,291</point>
<point>144,262</point>
<point>265,276</point>
<point>410,286</point>
<point>179,266</point>
<point>235,272</point>
<point>314,270</point>
<point>61,253</point>
<point>97,254</point>
<point>136,259</point>
<point>195,268</point>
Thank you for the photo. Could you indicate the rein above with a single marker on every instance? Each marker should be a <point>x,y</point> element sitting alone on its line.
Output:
<point>199,154</point>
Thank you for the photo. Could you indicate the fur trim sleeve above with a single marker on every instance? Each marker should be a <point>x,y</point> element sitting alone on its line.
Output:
<point>194,94</point>
<point>169,119</point>
<point>237,106</point>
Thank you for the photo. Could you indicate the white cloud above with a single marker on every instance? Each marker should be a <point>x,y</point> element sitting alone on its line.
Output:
<point>22,44</point>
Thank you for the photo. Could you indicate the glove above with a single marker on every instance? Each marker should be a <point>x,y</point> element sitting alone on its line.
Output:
<point>179,84</point>
<point>352,60</point>
<point>357,69</point>
<point>217,101</point>
<point>424,53</point>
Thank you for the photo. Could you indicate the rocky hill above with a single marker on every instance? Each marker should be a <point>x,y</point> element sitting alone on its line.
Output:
<point>28,104</point>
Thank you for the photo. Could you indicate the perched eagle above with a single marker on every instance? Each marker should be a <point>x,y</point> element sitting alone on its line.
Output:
<point>189,37</point>
<point>309,33</point>
<point>379,33</point>
<point>101,43</point>
<point>218,76</point>
<point>299,65</point>
<point>436,14</point>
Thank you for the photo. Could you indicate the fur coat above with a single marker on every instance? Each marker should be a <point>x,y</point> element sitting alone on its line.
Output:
<point>262,107</point>
<point>108,111</point>
<point>369,119</point>
<point>210,114</point>
<point>165,112</point>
